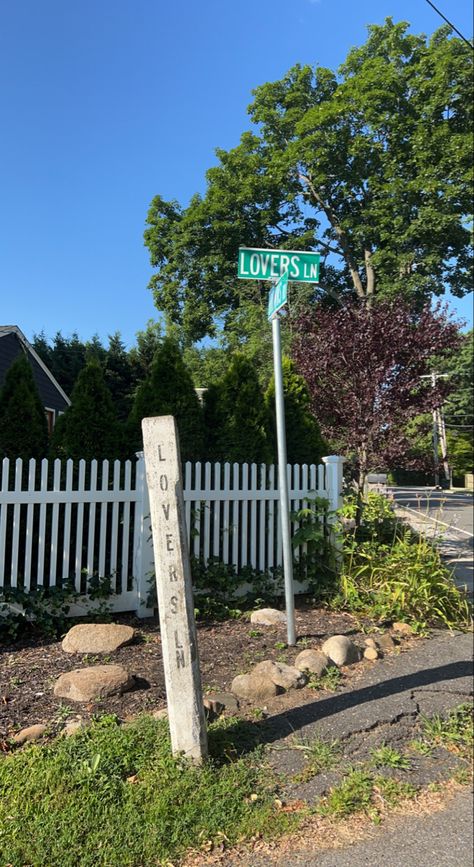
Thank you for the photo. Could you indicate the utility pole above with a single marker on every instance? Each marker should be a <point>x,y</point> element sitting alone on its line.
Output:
<point>439,433</point>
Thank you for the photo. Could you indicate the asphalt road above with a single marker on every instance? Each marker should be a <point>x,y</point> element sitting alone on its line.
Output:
<point>453,509</point>
<point>442,839</point>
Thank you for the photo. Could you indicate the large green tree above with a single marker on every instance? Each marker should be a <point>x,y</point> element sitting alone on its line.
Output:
<point>23,426</point>
<point>370,165</point>
<point>304,443</point>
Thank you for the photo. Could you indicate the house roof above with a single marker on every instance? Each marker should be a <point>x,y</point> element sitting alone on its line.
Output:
<point>13,329</point>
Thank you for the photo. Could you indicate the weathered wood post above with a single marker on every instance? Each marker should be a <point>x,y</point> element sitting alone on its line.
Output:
<point>174,588</point>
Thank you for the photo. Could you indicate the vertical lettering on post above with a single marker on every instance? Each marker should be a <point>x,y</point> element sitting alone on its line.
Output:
<point>174,588</point>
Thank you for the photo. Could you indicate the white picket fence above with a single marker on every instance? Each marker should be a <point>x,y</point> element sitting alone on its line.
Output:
<point>62,521</point>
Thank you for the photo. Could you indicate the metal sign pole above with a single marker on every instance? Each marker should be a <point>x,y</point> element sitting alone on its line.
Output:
<point>283,482</point>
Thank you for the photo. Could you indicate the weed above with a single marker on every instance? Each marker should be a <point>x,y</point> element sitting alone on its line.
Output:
<point>321,756</point>
<point>255,633</point>
<point>280,645</point>
<point>328,681</point>
<point>421,747</point>
<point>360,791</point>
<point>386,756</point>
<point>455,732</point>
<point>352,795</point>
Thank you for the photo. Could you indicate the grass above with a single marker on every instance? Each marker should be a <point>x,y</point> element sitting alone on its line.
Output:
<point>363,792</point>
<point>320,756</point>
<point>113,796</point>
<point>455,732</point>
<point>386,757</point>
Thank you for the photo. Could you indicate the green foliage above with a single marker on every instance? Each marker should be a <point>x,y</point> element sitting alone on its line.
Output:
<point>362,792</point>
<point>370,165</point>
<point>45,611</point>
<point>89,428</point>
<point>404,581</point>
<point>169,390</point>
<point>23,426</point>
<point>72,802</point>
<point>304,443</point>
<point>386,757</point>
<point>455,732</point>
<point>236,418</point>
<point>372,520</point>
<point>329,681</point>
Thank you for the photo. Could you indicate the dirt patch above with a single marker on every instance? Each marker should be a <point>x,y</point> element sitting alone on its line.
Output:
<point>29,669</point>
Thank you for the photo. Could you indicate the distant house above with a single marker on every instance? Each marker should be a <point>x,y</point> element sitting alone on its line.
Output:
<point>12,343</point>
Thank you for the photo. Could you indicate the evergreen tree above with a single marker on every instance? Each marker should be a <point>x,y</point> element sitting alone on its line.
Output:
<point>237,419</point>
<point>119,375</point>
<point>304,443</point>
<point>89,428</point>
<point>23,426</point>
<point>169,390</point>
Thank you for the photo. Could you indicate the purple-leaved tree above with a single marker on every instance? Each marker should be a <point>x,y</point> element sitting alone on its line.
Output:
<point>363,366</point>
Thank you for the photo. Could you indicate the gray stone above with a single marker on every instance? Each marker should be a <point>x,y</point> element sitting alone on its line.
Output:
<point>286,676</point>
<point>386,642</point>
<point>97,638</point>
<point>31,733</point>
<point>254,687</point>
<point>341,650</point>
<point>313,661</point>
<point>268,617</point>
<point>228,700</point>
<point>99,681</point>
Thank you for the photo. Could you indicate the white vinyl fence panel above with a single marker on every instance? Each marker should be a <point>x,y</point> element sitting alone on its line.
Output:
<point>70,522</point>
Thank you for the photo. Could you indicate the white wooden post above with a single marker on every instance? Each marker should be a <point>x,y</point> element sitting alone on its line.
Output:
<point>334,479</point>
<point>143,560</point>
<point>334,465</point>
<point>174,588</point>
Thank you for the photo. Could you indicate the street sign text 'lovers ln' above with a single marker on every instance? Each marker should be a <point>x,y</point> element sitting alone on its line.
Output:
<point>257,264</point>
<point>174,588</point>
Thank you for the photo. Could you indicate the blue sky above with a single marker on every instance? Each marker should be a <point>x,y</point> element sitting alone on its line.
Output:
<point>105,103</point>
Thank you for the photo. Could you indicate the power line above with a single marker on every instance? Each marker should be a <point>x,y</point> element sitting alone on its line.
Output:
<point>451,25</point>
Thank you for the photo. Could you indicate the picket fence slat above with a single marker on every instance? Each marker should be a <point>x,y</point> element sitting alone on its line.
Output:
<point>81,520</point>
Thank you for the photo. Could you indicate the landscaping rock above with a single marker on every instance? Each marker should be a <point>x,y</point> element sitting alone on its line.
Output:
<point>97,638</point>
<point>313,661</point>
<point>254,687</point>
<point>371,653</point>
<point>341,650</point>
<point>403,628</point>
<point>229,701</point>
<point>268,617</point>
<point>212,709</point>
<point>99,681</point>
<point>386,642</point>
<point>286,676</point>
<point>31,733</point>
<point>370,642</point>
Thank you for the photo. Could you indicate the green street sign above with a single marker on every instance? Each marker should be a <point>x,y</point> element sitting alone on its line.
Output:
<point>278,295</point>
<point>257,264</point>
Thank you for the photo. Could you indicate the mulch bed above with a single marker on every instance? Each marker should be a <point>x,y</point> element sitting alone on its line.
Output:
<point>29,668</point>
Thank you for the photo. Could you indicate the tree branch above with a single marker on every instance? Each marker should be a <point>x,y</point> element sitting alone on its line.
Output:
<point>340,234</point>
